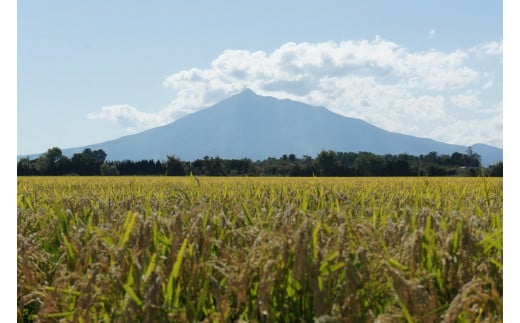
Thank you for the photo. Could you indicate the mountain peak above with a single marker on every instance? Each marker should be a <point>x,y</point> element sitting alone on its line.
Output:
<point>248,125</point>
<point>247,92</point>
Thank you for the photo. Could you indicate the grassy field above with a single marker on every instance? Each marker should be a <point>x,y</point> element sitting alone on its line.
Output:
<point>160,249</point>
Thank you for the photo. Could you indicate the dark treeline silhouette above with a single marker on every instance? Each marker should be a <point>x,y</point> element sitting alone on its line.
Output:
<point>326,163</point>
<point>53,162</point>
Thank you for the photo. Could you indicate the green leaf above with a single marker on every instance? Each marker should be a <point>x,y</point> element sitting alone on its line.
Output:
<point>175,274</point>
<point>397,264</point>
<point>337,266</point>
<point>128,289</point>
<point>150,267</point>
<point>128,226</point>
<point>315,244</point>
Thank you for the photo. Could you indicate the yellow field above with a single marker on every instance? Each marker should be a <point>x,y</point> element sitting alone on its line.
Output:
<point>259,249</point>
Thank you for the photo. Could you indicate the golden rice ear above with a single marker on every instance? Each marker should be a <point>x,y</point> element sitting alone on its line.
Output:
<point>478,300</point>
<point>259,249</point>
<point>420,301</point>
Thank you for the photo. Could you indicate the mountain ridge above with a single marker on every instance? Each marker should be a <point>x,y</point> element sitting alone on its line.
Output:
<point>247,125</point>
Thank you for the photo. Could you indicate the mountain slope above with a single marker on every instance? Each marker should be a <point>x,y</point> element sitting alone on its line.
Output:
<point>250,126</point>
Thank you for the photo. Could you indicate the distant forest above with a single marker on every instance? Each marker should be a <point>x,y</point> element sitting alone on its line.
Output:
<point>326,163</point>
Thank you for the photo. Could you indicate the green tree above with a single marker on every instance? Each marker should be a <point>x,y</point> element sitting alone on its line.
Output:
<point>88,162</point>
<point>369,164</point>
<point>108,170</point>
<point>174,167</point>
<point>25,167</point>
<point>472,159</point>
<point>496,170</point>
<point>50,162</point>
<point>42,165</point>
<point>327,163</point>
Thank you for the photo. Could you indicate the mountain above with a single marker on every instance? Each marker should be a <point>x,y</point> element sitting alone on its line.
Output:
<point>247,125</point>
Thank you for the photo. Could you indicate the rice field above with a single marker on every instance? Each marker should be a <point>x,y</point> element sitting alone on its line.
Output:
<point>166,249</point>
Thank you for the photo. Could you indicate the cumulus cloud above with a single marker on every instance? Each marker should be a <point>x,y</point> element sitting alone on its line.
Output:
<point>463,131</point>
<point>127,116</point>
<point>489,48</point>
<point>382,82</point>
<point>469,100</point>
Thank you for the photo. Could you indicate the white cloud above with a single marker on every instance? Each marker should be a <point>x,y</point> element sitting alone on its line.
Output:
<point>468,100</point>
<point>431,33</point>
<point>489,48</point>
<point>438,71</point>
<point>131,118</point>
<point>469,132</point>
<point>379,81</point>
<point>487,85</point>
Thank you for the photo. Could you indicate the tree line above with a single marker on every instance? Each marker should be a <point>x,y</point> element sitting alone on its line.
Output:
<point>326,163</point>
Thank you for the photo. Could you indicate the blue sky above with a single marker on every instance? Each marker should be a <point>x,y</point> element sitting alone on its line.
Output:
<point>97,70</point>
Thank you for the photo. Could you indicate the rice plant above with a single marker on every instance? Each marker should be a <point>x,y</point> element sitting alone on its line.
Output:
<point>259,249</point>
